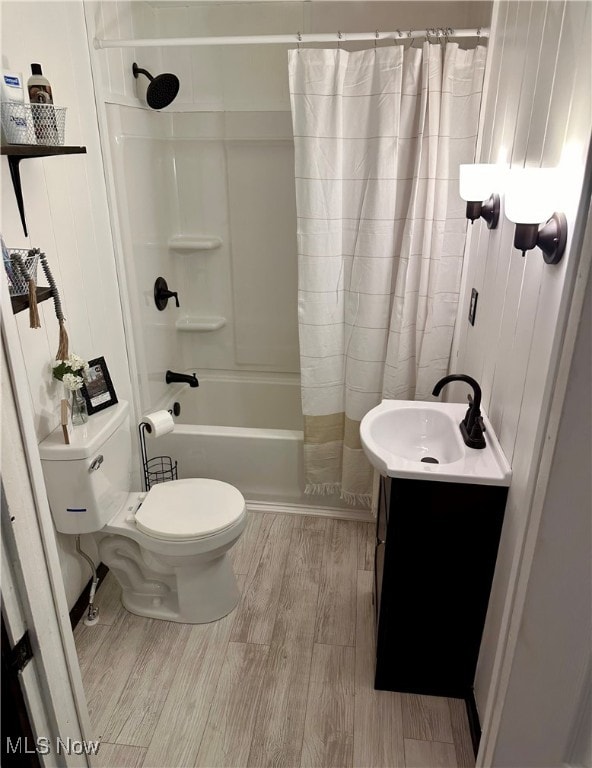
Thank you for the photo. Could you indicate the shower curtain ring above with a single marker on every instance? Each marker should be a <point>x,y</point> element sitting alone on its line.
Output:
<point>478,35</point>
<point>339,36</point>
<point>299,36</point>
<point>376,35</point>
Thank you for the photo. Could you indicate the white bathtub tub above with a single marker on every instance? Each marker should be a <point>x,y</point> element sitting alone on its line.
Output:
<point>248,432</point>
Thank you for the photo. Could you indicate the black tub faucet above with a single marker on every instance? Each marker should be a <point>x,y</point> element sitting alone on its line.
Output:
<point>472,426</point>
<point>181,378</point>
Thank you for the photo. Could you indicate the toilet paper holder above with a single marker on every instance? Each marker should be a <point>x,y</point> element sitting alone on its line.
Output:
<point>158,469</point>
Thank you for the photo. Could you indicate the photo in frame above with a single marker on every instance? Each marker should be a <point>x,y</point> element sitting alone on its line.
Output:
<point>97,389</point>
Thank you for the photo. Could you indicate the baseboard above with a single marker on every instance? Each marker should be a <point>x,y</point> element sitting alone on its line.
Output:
<point>81,604</point>
<point>337,513</point>
<point>473,718</point>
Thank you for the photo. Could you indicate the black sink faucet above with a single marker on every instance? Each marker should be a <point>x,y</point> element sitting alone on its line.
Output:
<point>471,427</point>
<point>181,378</point>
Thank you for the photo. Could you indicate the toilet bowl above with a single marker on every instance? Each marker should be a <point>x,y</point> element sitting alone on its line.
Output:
<point>168,547</point>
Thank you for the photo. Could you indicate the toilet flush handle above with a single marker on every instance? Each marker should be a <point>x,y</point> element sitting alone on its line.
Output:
<point>96,463</point>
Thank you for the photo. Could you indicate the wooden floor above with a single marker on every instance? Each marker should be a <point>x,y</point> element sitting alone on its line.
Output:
<point>285,680</point>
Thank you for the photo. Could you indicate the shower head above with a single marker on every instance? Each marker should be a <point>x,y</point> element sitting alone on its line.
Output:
<point>162,89</point>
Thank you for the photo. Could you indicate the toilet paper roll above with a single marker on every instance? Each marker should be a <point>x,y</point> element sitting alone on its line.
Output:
<point>160,423</point>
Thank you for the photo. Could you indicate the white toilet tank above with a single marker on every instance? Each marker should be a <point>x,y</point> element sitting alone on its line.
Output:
<point>89,480</point>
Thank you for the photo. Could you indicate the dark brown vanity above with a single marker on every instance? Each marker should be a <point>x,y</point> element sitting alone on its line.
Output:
<point>436,549</point>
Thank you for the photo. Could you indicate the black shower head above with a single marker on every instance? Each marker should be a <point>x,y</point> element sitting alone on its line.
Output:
<point>162,89</point>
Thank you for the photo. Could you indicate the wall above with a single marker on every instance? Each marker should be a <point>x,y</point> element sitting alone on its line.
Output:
<point>229,157</point>
<point>537,113</point>
<point>550,671</point>
<point>68,218</point>
<point>255,77</point>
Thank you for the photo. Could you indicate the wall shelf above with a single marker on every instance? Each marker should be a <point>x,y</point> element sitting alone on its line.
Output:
<point>187,243</point>
<point>17,152</point>
<point>200,324</point>
<point>20,303</point>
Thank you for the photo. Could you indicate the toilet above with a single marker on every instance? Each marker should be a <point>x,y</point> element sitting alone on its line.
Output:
<point>167,548</point>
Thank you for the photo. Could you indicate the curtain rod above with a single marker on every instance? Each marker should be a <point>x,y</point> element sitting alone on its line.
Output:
<point>294,39</point>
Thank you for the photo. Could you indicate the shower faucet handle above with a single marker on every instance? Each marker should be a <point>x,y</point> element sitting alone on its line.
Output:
<point>162,294</point>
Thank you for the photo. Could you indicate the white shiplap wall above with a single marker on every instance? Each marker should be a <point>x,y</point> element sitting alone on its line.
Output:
<point>537,113</point>
<point>68,218</point>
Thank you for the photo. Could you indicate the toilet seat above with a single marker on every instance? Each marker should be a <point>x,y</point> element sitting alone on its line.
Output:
<point>188,510</point>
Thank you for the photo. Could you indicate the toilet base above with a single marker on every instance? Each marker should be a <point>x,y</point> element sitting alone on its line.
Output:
<point>159,587</point>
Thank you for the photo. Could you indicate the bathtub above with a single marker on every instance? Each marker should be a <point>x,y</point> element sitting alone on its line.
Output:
<point>247,431</point>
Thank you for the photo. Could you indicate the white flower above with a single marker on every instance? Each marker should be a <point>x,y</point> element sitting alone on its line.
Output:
<point>72,382</point>
<point>76,363</point>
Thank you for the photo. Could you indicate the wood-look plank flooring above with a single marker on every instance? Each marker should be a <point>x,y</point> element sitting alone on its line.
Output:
<point>285,680</point>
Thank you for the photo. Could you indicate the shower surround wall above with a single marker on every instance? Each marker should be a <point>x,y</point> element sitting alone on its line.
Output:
<point>225,169</point>
<point>143,165</point>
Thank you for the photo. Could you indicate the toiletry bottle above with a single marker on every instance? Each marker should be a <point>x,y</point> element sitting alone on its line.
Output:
<point>41,99</point>
<point>15,117</point>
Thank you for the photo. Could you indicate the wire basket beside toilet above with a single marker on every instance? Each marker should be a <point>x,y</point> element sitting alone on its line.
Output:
<point>41,124</point>
<point>159,469</point>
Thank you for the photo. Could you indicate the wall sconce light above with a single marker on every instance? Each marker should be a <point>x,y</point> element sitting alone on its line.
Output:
<point>530,199</point>
<point>476,185</point>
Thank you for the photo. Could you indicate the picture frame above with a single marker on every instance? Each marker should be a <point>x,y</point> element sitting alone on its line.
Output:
<point>98,390</point>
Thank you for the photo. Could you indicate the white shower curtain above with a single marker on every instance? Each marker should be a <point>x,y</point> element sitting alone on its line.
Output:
<point>379,135</point>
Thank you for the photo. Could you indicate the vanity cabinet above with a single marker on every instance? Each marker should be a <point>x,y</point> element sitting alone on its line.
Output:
<point>436,548</point>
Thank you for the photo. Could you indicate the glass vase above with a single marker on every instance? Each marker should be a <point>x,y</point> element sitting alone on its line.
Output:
<point>79,412</point>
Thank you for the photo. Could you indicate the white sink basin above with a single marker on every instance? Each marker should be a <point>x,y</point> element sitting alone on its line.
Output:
<point>421,440</point>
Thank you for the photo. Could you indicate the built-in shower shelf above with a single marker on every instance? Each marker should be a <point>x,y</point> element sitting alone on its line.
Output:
<point>186,243</point>
<point>200,324</point>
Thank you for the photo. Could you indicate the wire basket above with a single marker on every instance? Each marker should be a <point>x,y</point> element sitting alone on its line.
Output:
<point>159,469</point>
<point>20,265</point>
<point>33,123</point>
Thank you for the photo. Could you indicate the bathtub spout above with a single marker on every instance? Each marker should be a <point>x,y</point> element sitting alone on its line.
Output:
<point>181,378</point>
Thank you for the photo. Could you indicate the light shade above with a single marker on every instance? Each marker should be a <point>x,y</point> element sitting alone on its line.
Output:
<point>530,195</point>
<point>478,181</point>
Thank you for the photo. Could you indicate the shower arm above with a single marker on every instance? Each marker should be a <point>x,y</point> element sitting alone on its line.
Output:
<point>140,71</point>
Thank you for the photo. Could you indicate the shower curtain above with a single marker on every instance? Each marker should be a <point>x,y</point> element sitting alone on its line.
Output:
<point>379,135</point>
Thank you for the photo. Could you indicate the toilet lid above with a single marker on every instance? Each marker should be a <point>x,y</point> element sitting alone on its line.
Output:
<point>189,509</point>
